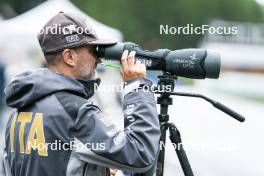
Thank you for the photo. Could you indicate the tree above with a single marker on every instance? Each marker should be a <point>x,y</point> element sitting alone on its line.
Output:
<point>140,20</point>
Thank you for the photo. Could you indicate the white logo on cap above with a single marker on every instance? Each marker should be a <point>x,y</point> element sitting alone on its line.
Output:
<point>70,29</point>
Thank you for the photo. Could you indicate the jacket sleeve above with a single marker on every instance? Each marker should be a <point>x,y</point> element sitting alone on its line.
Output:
<point>134,149</point>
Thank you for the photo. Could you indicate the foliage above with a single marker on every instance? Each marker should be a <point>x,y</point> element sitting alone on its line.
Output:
<point>140,20</point>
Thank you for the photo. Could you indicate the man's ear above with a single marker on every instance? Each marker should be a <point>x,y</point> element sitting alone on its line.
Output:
<point>69,57</point>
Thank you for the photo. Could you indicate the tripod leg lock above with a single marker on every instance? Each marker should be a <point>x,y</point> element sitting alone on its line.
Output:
<point>164,117</point>
<point>175,135</point>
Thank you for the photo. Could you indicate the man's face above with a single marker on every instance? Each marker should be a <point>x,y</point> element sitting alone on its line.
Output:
<point>86,63</point>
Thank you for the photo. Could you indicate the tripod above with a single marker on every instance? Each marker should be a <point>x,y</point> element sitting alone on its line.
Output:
<point>164,100</point>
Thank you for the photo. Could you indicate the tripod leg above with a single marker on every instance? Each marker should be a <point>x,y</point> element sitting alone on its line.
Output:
<point>160,163</point>
<point>175,138</point>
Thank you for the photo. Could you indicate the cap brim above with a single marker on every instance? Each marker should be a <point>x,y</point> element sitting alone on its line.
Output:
<point>102,42</point>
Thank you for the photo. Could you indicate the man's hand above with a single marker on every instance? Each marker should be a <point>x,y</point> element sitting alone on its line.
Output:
<point>131,70</point>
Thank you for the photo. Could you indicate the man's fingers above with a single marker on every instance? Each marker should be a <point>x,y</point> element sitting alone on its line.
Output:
<point>131,59</point>
<point>130,69</point>
<point>124,60</point>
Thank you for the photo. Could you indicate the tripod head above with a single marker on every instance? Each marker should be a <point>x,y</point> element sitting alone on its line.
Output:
<point>164,99</point>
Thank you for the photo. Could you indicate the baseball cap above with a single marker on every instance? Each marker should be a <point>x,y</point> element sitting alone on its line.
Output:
<point>68,30</point>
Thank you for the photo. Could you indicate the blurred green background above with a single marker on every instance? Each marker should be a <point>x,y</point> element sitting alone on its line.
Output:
<point>139,20</point>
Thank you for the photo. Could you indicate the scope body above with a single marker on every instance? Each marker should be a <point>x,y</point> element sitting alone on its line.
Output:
<point>189,63</point>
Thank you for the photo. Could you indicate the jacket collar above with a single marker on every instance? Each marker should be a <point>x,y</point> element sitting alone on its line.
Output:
<point>90,86</point>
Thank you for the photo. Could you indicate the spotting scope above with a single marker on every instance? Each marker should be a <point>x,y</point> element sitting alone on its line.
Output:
<point>189,63</point>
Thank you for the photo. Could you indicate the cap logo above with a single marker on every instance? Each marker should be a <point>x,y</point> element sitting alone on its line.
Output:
<point>70,29</point>
<point>72,38</point>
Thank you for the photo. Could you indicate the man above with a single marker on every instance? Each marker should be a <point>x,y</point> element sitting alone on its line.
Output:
<point>56,130</point>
